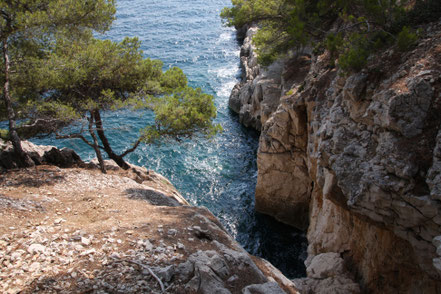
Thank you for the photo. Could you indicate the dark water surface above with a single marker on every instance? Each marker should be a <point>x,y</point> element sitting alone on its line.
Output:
<point>219,173</point>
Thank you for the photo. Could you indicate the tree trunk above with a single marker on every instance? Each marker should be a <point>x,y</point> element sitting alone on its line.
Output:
<point>23,158</point>
<point>112,155</point>
<point>95,144</point>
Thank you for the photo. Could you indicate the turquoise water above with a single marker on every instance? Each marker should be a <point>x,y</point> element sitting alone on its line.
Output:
<point>219,173</point>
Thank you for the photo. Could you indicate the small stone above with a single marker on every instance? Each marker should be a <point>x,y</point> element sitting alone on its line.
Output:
<point>129,232</point>
<point>232,279</point>
<point>78,247</point>
<point>76,238</point>
<point>36,248</point>
<point>437,241</point>
<point>87,252</point>
<point>267,288</point>
<point>58,221</point>
<point>148,246</point>
<point>74,275</point>
<point>35,266</point>
<point>166,273</point>
<point>16,255</point>
<point>181,246</point>
<point>85,241</point>
<point>159,249</point>
<point>172,232</point>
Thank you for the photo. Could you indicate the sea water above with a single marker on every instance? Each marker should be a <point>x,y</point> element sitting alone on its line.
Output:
<point>219,173</point>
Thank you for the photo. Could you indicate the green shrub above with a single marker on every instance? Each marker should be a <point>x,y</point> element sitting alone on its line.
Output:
<point>4,134</point>
<point>333,43</point>
<point>290,92</point>
<point>406,39</point>
<point>354,59</point>
<point>292,24</point>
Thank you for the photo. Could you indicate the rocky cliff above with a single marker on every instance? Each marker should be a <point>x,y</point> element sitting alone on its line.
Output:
<point>76,230</point>
<point>355,159</point>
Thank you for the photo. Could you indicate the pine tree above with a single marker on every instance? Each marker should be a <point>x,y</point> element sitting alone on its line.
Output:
<point>35,23</point>
<point>83,78</point>
<point>60,73</point>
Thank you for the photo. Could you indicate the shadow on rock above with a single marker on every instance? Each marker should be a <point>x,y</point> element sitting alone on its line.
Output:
<point>19,204</point>
<point>27,178</point>
<point>152,196</point>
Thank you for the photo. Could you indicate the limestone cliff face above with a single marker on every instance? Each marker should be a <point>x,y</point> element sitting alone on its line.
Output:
<point>258,95</point>
<point>357,160</point>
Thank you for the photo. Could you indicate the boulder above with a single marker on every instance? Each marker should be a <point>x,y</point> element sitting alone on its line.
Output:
<point>326,265</point>
<point>327,274</point>
<point>64,157</point>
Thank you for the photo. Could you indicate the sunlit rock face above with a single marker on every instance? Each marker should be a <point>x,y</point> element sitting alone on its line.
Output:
<point>258,95</point>
<point>355,158</point>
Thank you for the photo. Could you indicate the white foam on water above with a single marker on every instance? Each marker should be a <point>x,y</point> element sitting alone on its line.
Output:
<point>225,89</point>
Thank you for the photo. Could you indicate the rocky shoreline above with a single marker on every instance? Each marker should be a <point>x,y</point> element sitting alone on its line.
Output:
<point>76,230</point>
<point>354,159</point>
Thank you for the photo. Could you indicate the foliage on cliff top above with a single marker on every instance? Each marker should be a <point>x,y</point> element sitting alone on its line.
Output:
<point>349,29</point>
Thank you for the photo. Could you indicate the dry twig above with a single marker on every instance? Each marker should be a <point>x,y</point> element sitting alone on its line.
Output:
<point>144,267</point>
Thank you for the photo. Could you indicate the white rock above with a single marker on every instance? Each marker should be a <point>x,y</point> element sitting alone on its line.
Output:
<point>78,247</point>
<point>36,248</point>
<point>326,265</point>
<point>16,255</point>
<point>148,246</point>
<point>85,241</point>
<point>58,221</point>
<point>35,266</point>
<point>87,252</point>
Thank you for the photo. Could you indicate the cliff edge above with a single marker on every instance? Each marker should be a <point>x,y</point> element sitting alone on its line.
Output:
<point>355,159</point>
<point>76,230</point>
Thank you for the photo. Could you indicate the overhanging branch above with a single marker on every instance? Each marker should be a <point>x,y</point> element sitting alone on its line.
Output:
<point>76,136</point>
<point>132,149</point>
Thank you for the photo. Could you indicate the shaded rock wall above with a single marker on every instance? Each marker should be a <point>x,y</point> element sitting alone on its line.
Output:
<point>358,158</point>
